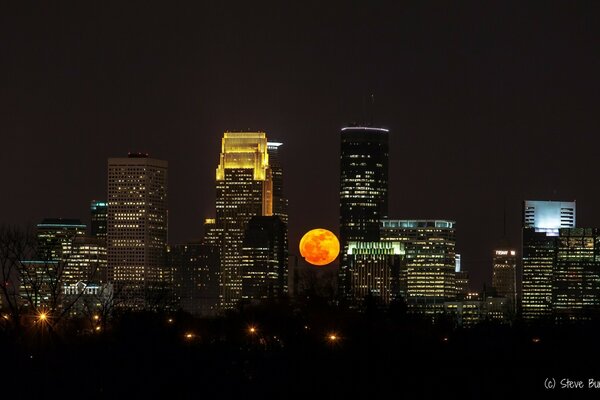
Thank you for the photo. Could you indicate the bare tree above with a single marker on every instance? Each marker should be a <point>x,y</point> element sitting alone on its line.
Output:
<point>33,285</point>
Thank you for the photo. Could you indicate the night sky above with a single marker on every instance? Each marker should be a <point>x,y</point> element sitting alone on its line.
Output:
<point>488,103</point>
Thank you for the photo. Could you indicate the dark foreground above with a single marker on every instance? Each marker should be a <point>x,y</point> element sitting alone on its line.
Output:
<point>292,354</point>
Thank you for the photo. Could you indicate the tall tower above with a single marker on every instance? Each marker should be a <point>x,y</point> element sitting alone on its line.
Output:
<point>244,190</point>
<point>137,229</point>
<point>504,278</point>
<point>363,191</point>
<point>430,261</point>
<point>542,221</point>
<point>280,203</point>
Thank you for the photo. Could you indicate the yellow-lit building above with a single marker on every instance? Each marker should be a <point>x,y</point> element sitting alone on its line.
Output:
<point>244,189</point>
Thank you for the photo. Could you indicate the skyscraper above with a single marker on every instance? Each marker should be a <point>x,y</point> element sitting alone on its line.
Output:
<point>99,215</point>
<point>244,189</point>
<point>363,190</point>
<point>576,281</point>
<point>137,229</point>
<point>541,223</point>
<point>375,272</point>
<point>280,202</point>
<point>264,259</point>
<point>504,275</point>
<point>195,268</point>
<point>430,261</point>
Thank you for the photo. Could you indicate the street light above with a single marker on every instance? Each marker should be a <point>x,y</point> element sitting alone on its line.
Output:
<point>333,337</point>
<point>42,317</point>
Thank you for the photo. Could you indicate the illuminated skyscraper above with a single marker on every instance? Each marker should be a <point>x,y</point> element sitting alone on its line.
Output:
<point>244,190</point>
<point>363,191</point>
<point>430,261</point>
<point>576,281</point>
<point>99,213</point>
<point>264,259</point>
<point>541,223</point>
<point>375,272</point>
<point>504,278</point>
<point>548,214</point>
<point>137,229</point>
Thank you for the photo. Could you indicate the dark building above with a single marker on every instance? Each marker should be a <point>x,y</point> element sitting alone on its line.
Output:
<point>363,190</point>
<point>504,275</point>
<point>99,219</point>
<point>195,271</point>
<point>375,272</point>
<point>462,284</point>
<point>265,259</point>
<point>280,202</point>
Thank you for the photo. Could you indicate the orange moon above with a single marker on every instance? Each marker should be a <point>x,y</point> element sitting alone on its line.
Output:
<point>319,247</point>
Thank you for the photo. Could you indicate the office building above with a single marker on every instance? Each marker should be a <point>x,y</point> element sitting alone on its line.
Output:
<point>375,270</point>
<point>264,259</point>
<point>280,202</point>
<point>55,237</point>
<point>576,280</point>
<point>244,189</point>
<point>430,261</point>
<point>195,269</point>
<point>541,223</point>
<point>363,191</point>
<point>99,215</point>
<point>137,230</point>
<point>504,275</point>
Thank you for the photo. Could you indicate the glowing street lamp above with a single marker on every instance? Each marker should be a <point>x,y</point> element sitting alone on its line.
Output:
<point>333,337</point>
<point>42,317</point>
<point>252,330</point>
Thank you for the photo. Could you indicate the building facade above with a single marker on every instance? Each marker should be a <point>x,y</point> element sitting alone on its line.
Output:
<point>280,202</point>
<point>137,230</point>
<point>99,218</point>
<point>504,275</point>
<point>195,269</point>
<point>541,223</point>
<point>363,191</point>
<point>244,186</point>
<point>375,270</point>
<point>430,261</point>
<point>576,280</point>
<point>55,237</point>
<point>265,259</point>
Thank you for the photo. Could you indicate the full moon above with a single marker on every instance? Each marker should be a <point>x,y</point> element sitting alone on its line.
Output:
<point>319,247</point>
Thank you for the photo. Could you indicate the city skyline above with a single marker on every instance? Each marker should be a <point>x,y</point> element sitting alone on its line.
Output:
<point>480,106</point>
